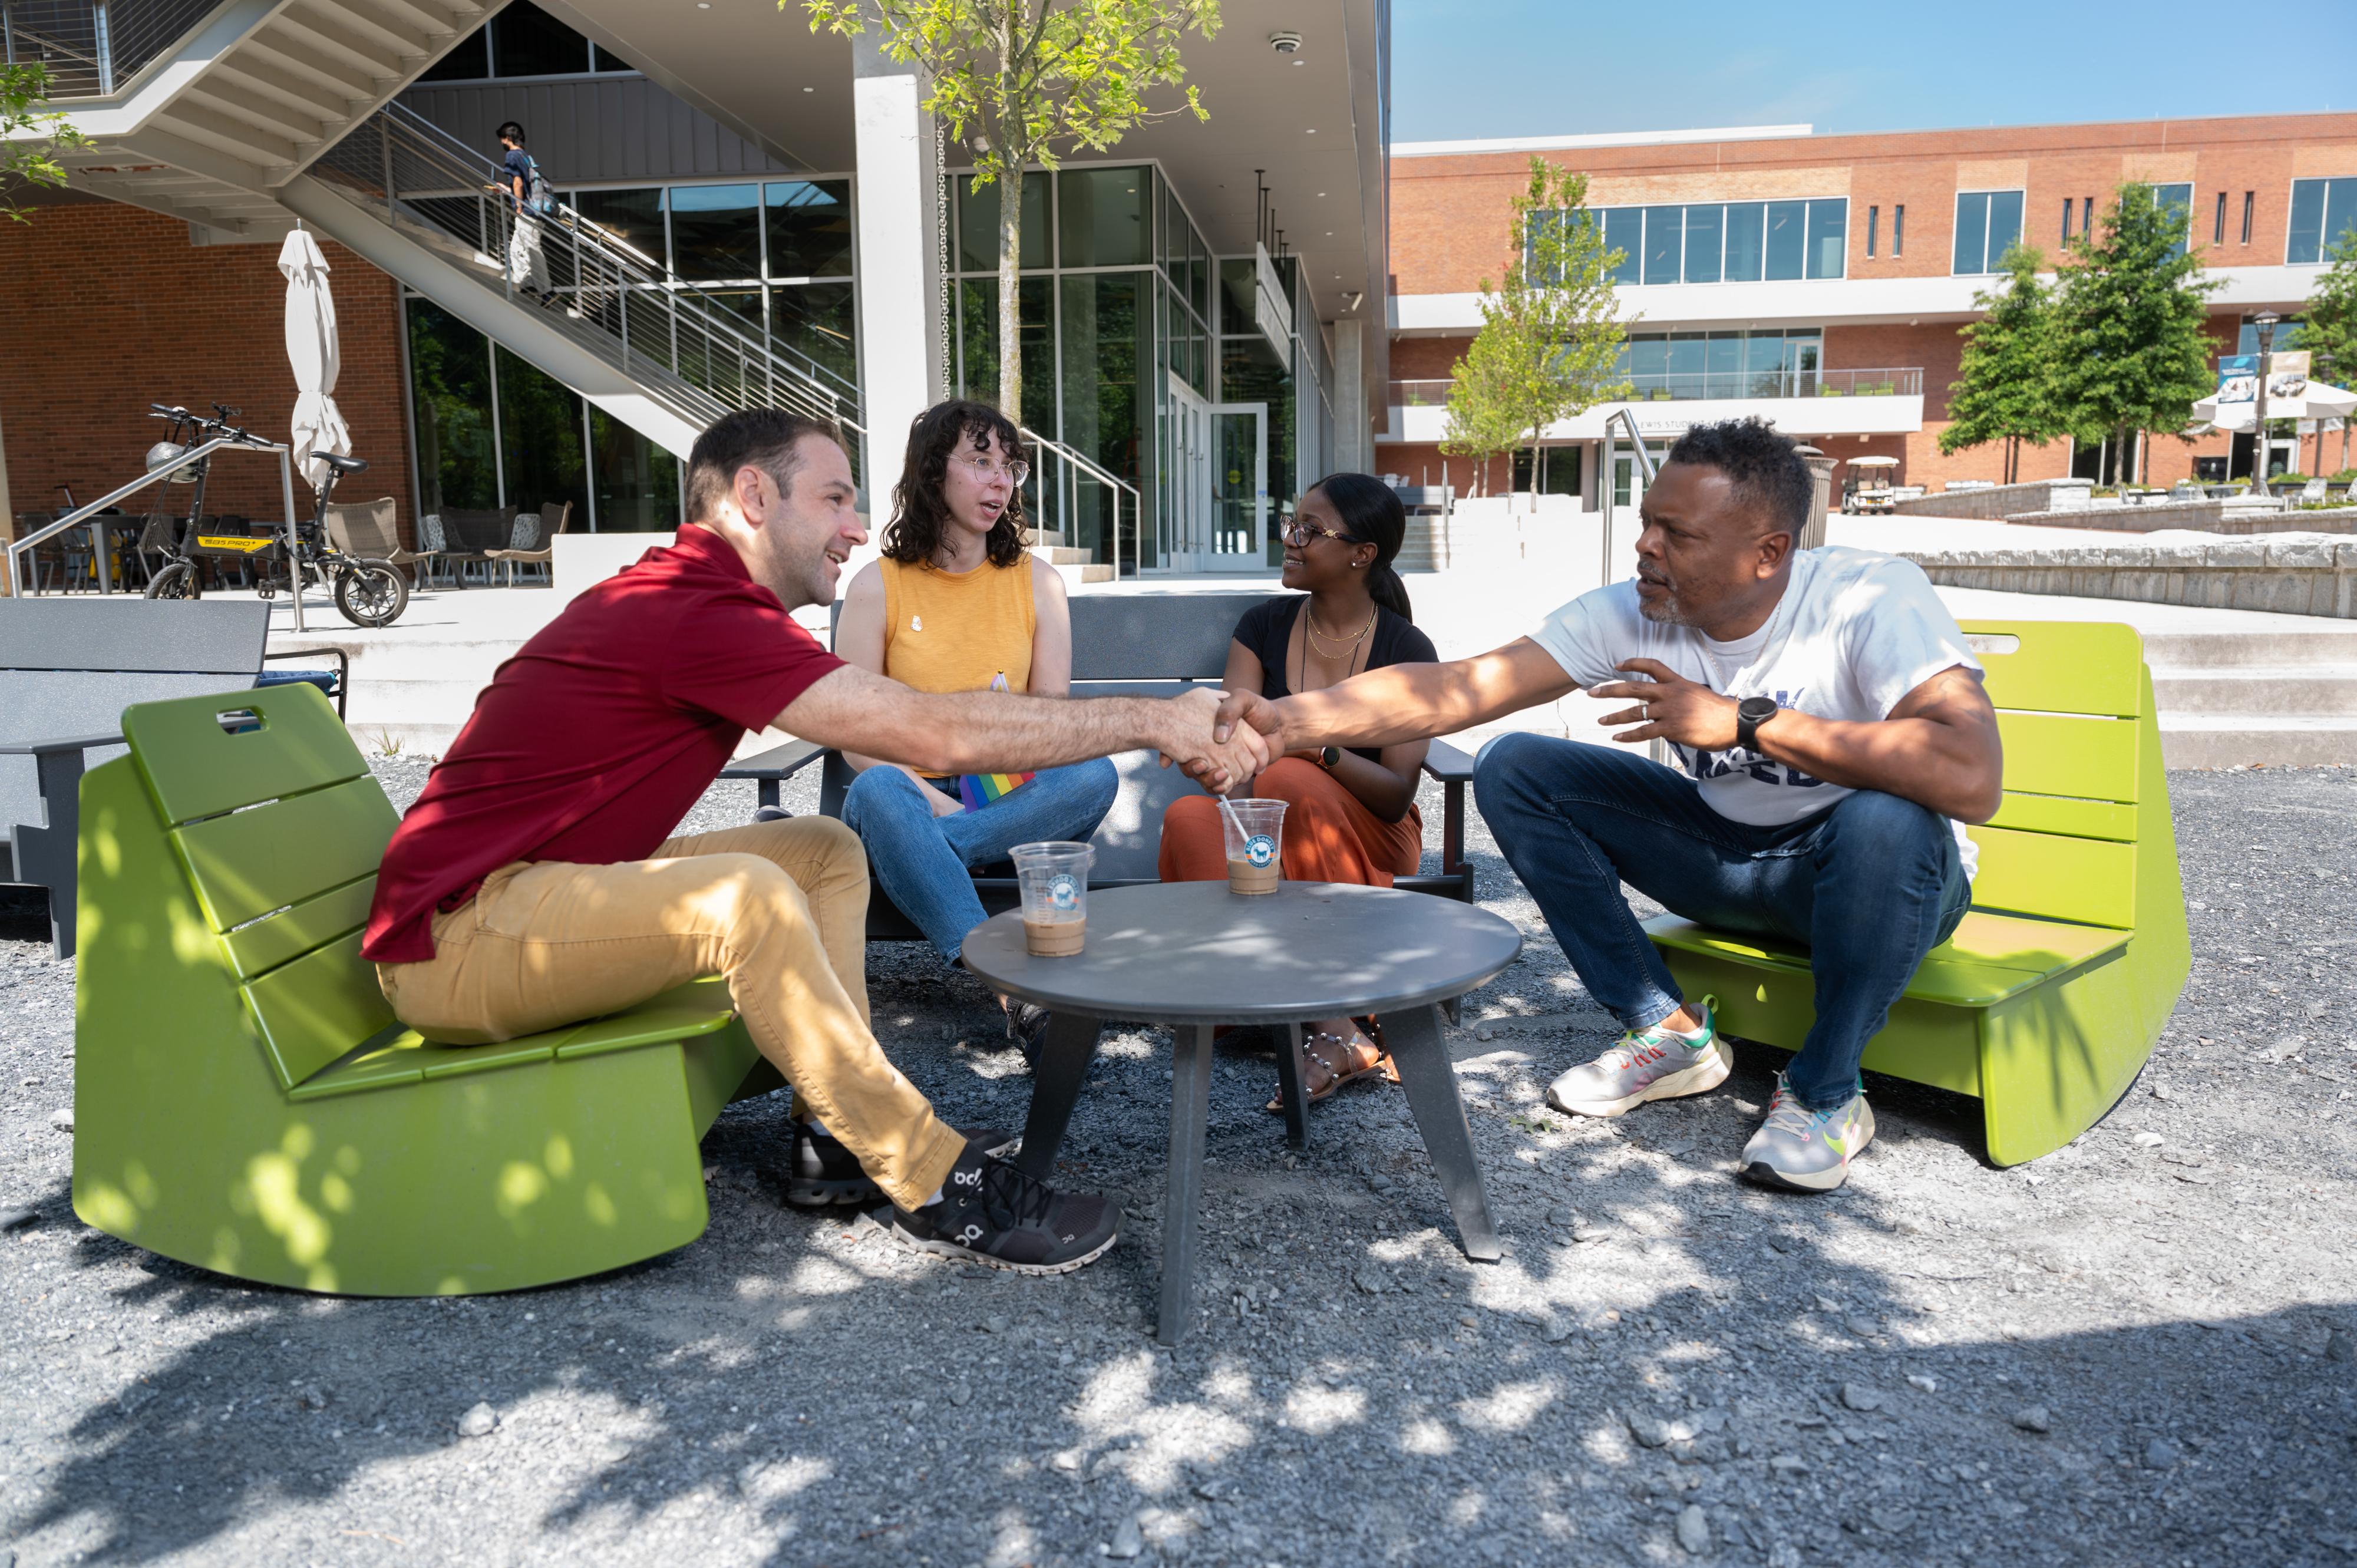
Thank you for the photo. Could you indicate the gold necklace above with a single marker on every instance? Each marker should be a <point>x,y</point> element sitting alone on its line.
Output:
<point>1350,645</point>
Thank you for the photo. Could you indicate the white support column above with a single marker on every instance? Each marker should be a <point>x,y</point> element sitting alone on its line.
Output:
<point>1353,437</point>
<point>899,292</point>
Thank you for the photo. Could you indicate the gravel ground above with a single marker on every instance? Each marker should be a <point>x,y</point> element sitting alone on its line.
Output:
<point>2138,1351</point>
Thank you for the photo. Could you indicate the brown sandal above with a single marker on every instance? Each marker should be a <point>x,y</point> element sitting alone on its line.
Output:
<point>1312,1053</point>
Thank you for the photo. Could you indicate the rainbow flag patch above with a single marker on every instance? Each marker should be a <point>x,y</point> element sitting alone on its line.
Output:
<point>979,790</point>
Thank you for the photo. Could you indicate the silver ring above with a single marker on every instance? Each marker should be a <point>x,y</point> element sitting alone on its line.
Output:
<point>1645,711</point>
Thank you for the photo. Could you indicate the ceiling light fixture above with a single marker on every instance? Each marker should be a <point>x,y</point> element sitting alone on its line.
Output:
<point>1285,42</point>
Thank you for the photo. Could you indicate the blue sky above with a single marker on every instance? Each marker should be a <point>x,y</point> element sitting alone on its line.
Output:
<point>1536,68</point>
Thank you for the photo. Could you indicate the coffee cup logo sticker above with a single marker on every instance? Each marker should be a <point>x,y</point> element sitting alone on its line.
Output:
<point>1260,849</point>
<point>1064,891</point>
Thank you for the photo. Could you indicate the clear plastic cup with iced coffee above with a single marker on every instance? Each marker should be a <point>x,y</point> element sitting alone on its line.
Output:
<point>1254,832</point>
<point>1055,881</point>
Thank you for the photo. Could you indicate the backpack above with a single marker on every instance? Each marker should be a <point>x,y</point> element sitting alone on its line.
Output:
<point>538,198</point>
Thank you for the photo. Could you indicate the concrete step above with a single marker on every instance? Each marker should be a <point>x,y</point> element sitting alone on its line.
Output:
<point>1064,555</point>
<point>2254,690</point>
<point>1096,573</point>
<point>2281,740</point>
<point>2173,652</point>
<point>1048,536</point>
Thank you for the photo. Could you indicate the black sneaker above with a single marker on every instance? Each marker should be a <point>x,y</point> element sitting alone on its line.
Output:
<point>1027,1026</point>
<point>821,1173</point>
<point>992,1213</point>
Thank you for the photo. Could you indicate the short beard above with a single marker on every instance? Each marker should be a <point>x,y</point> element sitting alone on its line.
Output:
<point>1669,612</point>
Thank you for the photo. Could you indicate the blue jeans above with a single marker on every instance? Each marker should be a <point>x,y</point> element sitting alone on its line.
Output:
<point>923,862</point>
<point>1871,885</point>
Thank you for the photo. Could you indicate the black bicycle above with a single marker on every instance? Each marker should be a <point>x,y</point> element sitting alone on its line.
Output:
<point>367,592</point>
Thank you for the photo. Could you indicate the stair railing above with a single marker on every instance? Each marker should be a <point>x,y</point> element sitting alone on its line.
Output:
<point>624,305</point>
<point>1071,471</point>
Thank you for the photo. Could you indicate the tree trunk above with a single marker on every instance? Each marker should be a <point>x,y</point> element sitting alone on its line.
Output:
<point>1010,296</point>
<point>1010,233</point>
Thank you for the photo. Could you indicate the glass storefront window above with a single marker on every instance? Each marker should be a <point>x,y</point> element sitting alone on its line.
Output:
<point>810,228</point>
<point>977,336</point>
<point>1239,296</point>
<point>1107,349</point>
<point>1102,217</point>
<point>977,223</point>
<point>1746,242</point>
<point>1665,241</point>
<point>1251,371</point>
<point>450,382</point>
<point>1829,236</point>
<point>637,481</point>
<point>1704,229</point>
<point>715,231</point>
<point>634,217</point>
<point>1787,238</point>
<point>1624,230</point>
<point>540,439</point>
<point>816,319</point>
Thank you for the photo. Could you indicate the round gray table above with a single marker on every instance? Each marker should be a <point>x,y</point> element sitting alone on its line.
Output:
<point>1194,955</point>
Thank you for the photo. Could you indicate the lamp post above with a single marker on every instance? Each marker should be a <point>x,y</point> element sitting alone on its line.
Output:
<point>2266,322</point>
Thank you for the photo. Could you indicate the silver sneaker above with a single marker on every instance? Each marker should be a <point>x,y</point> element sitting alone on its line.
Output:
<point>1805,1150</point>
<point>1651,1063</point>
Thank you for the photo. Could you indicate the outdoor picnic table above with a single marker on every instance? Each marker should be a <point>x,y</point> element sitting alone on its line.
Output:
<point>1195,956</point>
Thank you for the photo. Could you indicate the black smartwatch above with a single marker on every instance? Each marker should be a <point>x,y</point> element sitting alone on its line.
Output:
<point>1329,758</point>
<point>1750,715</point>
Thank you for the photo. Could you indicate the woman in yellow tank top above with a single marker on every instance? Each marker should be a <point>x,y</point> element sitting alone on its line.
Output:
<point>959,604</point>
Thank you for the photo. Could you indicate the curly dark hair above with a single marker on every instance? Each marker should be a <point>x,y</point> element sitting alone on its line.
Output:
<point>918,511</point>
<point>1763,466</point>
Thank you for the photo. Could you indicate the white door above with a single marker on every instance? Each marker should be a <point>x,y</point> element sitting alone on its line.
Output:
<point>1239,488</point>
<point>1187,485</point>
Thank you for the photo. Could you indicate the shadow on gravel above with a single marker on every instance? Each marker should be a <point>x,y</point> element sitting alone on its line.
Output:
<point>1667,1361</point>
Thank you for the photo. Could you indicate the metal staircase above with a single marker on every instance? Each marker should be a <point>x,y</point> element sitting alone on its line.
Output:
<point>601,315</point>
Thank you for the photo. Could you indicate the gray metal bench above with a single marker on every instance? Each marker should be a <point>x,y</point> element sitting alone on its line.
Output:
<point>1127,645</point>
<point>68,668</point>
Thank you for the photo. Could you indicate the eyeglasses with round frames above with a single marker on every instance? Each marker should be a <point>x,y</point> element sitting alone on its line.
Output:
<point>1297,531</point>
<point>985,470</point>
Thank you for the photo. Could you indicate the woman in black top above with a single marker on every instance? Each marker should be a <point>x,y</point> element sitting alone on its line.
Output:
<point>1351,815</point>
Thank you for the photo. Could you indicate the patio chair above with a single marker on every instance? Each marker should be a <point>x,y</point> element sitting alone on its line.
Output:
<point>2311,492</point>
<point>68,555</point>
<point>369,530</point>
<point>470,535</point>
<point>534,546</point>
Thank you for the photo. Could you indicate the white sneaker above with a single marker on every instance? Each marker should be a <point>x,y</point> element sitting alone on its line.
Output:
<point>1805,1150</point>
<point>1656,1064</point>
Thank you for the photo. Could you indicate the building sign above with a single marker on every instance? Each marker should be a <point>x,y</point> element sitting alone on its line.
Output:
<point>2238,376</point>
<point>1269,311</point>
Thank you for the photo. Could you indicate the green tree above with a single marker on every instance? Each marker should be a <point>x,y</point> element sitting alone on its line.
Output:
<point>2330,330</point>
<point>1031,79</point>
<point>31,136</point>
<point>2130,352</point>
<point>1549,345</point>
<point>2004,388</point>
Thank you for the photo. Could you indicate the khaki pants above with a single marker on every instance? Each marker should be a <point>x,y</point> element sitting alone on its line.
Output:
<point>780,909</point>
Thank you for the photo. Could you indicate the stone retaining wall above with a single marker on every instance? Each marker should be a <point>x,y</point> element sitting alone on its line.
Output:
<point>2199,517</point>
<point>2311,575</point>
<point>2001,502</point>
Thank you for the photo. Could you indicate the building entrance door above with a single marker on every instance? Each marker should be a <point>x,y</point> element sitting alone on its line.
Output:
<point>1239,488</point>
<point>1187,486</point>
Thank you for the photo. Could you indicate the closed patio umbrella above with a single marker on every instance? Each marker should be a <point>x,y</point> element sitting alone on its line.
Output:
<point>311,349</point>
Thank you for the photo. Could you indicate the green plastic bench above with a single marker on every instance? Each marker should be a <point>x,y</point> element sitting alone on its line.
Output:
<point>2048,999</point>
<point>245,1099</point>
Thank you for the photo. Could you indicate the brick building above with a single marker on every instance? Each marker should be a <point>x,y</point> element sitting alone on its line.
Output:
<point>1821,281</point>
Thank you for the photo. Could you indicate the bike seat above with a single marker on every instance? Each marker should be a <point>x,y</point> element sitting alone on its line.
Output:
<point>342,465</point>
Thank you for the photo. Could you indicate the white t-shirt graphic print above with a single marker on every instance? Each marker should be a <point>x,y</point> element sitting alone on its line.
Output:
<point>1856,631</point>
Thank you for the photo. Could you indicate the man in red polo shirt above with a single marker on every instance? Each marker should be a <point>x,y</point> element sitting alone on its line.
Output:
<point>536,881</point>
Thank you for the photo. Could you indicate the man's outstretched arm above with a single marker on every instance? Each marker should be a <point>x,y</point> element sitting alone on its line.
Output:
<point>1404,702</point>
<point>1938,747</point>
<point>993,731</point>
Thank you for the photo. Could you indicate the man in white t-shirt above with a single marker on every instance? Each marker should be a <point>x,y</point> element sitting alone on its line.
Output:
<point>1833,735</point>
